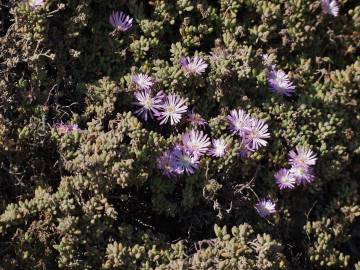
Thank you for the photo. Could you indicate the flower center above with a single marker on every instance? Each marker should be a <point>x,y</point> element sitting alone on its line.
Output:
<point>170,109</point>
<point>185,160</point>
<point>141,81</point>
<point>194,145</point>
<point>239,124</point>
<point>300,171</point>
<point>281,81</point>
<point>148,103</point>
<point>284,179</point>
<point>253,134</point>
<point>220,149</point>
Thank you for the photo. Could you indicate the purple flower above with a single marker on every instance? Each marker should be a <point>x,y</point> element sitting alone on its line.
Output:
<point>284,179</point>
<point>196,142</point>
<point>195,119</point>
<point>120,21</point>
<point>279,82</point>
<point>142,81</point>
<point>172,108</point>
<point>238,120</point>
<point>303,174</point>
<point>165,164</point>
<point>256,134</point>
<point>219,148</point>
<point>265,208</point>
<point>302,157</point>
<point>194,65</point>
<point>67,128</point>
<point>34,4</point>
<point>330,7</point>
<point>148,104</point>
<point>184,161</point>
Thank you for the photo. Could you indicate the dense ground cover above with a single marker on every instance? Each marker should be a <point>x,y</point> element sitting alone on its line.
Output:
<point>179,134</point>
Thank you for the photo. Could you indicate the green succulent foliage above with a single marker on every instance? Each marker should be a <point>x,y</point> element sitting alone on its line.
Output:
<point>95,198</point>
<point>240,249</point>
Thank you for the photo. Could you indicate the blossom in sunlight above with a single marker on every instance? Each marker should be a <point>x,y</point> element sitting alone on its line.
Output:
<point>255,135</point>
<point>193,66</point>
<point>36,3</point>
<point>148,104</point>
<point>172,110</point>
<point>142,81</point>
<point>238,121</point>
<point>196,142</point>
<point>302,156</point>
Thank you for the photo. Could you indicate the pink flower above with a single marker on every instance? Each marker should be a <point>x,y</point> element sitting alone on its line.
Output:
<point>148,104</point>
<point>172,109</point>
<point>303,174</point>
<point>244,149</point>
<point>193,66</point>
<point>238,121</point>
<point>165,164</point>
<point>265,208</point>
<point>330,7</point>
<point>256,134</point>
<point>35,4</point>
<point>184,161</point>
<point>284,179</point>
<point>279,82</point>
<point>67,128</point>
<point>142,81</point>
<point>196,142</point>
<point>302,156</point>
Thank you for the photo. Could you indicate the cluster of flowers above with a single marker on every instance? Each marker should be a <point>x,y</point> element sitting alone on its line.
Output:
<point>252,132</point>
<point>302,160</point>
<point>164,108</point>
<point>185,156</point>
